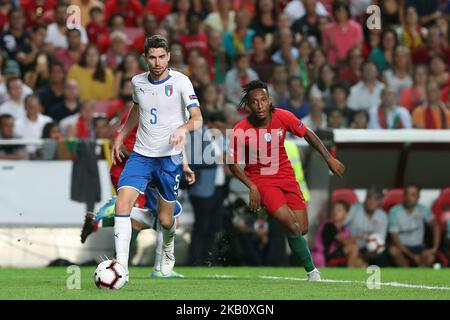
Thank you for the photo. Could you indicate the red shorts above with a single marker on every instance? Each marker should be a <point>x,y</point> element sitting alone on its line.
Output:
<point>115,173</point>
<point>275,195</point>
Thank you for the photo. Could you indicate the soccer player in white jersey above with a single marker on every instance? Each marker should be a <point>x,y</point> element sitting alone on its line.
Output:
<point>161,97</point>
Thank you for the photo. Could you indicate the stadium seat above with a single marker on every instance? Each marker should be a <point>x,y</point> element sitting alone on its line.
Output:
<point>438,206</point>
<point>392,198</point>
<point>346,195</point>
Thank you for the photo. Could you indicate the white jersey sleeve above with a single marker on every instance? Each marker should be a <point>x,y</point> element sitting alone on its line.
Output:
<point>188,95</point>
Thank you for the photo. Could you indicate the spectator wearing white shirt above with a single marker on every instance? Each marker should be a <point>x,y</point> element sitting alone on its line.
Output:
<point>14,106</point>
<point>56,32</point>
<point>12,69</point>
<point>32,125</point>
<point>366,93</point>
<point>296,9</point>
<point>317,119</point>
<point>388,115</point>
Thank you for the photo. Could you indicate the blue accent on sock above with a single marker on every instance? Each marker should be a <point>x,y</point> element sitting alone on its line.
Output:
<point>121,216</point>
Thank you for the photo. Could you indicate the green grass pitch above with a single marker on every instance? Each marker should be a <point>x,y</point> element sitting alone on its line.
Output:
<point>243,283</point>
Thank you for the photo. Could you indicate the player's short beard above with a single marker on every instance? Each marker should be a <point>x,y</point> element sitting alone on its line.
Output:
<point>163,70</point>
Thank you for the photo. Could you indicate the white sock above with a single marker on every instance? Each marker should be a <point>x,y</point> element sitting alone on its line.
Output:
<point>158,251</point>
<point>122,238</point>
<point>168,235</point>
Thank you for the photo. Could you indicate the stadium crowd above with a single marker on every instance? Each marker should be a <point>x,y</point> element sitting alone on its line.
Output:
<point>319,57</point>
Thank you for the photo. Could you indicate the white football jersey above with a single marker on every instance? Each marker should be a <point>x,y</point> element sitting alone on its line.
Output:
<point>163,107</point>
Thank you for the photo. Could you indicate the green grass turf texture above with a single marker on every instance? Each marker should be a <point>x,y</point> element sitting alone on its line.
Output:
<point>243,283</point>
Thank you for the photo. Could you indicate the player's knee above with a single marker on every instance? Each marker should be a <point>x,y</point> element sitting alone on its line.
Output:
<point>123,206</point>
<point>304,230</point>
<point>166,221</point>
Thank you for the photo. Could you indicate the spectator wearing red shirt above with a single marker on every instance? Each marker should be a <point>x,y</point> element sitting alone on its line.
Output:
<point>117,23</point>
<point>5,7</point>
<point>261,61</point>
<point>159,8</point>
<point>37,11</point>
<point>132,10</point>
<point>72,54</point>
<point>97,27</point>
<point>150,25</point>
<point>194,39</point>
<point>342,35</point>
<point>352,71</point>
<point>415,95</point>
<point>434,47</point>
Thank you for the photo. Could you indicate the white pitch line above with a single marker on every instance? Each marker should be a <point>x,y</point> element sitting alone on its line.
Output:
<point>387,284</point>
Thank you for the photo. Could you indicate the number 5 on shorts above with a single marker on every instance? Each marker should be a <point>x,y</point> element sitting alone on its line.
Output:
<point>177,179</point>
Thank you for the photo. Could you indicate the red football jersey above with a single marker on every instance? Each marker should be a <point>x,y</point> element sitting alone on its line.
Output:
<point>263,148</point>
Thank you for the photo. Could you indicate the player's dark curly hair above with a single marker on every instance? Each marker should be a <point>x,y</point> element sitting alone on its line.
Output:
<point>252,85</point>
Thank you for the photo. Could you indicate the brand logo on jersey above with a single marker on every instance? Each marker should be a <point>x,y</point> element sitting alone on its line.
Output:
<point>141,90</point>
<point>169,90</point>
<point>268,136</point>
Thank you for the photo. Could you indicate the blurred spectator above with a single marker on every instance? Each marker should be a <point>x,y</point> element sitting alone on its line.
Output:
<point>296,102</point>
<point>335,119</point>
<point>428,11</point>
<point>342,35</point>
<point>5,8</point>
<point>176,21</point>
<point>360,120</point>
<point>56,32</point>
<point>240,39</point>
<point>240,75</point>
<point>150,26</point>
<point>264,21</point>
<point>304,54</point>
<point>51,131</point>
<point>438,71</point>
<point>14,106</point>
<point>407,231</point>
<point>51,94</point>
<point>116,52</point>
<point>128,68</point>
<point>389,115</point>
<point>101,128</point>
<point>351,72</point>
<point>69,103</point>
<point>222,20</point>
<point>339,93</point>
<point>9,152</point>
<point>412,34</point>
<point>443,23</point>
<point>212,99</point>
<point>217,57</point>
<point>287,54</point>
<point>372,40</point>
<point>327,74</point>
<point>367,92</point>
<point>261,61</point>
<point>391,13</point>
<point>39,75</point>
<point>278,86</point>
<point>383,56</point>
<point>132,10</point>
<point>296,9</point>
<point>316,119</point>
<point>31,126</point>
<point>208,192</point>
<point>433,115</point>
<point>200,76</point>
<point>308,26</point>
<point>399,76</point>
<point>159,8</point>
<point>116,23</point>
<point>27,53</point>
<point>318,58</point>
<point>339,247</point>
<point>97,26</point>
<point>434,47</point>
<point>366,219</point>
<point>95,81</point>
<point>86,7</point>
<point>194,38</point>
<point>176,57</point>
<point>11,70</point>
<point>416,94</point>
<point>15,36</point>
<point>72,54</point>
<point>118,109</point>
<point>80,124</point>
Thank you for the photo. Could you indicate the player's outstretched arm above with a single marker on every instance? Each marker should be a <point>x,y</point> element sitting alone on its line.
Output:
<point>335,166</point>
<point>130,124</point>
<point>255,197</point>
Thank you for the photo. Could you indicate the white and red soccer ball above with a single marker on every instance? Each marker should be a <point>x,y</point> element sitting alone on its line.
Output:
<point>375,243</point>
<point>110,275</point>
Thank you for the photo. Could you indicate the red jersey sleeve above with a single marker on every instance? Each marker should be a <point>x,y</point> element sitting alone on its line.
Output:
<point>292,123</point>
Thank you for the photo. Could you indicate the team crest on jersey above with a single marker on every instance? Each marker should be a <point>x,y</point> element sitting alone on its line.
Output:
<point>280,132</point>
<point>268,136</point>
<point>169,90</point>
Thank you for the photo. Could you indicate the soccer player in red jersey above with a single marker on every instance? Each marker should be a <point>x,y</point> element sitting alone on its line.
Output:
<point>268,173</point>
